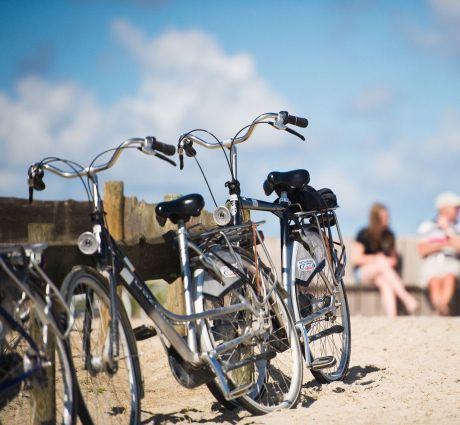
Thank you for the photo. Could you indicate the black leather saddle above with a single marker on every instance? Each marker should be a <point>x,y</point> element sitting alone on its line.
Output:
<point>279,181</point>
<point>180,209</point>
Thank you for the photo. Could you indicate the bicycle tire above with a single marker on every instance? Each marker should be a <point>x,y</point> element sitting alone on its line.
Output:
<point>28,370</point>
<point>329,335</point>
<point>276,381</point>
<point>107,396</point>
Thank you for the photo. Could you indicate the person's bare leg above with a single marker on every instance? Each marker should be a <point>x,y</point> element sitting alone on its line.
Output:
<point>387,295</point>
<point>410,303</point>
<point>447,290</point>
<point>434,290</point>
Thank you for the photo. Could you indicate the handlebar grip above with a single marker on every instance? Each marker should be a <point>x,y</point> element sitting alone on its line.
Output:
<point>297,121</point>
<point>164,148</point>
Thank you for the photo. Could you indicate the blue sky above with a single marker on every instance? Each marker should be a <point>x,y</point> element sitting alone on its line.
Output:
<point>379,82</point>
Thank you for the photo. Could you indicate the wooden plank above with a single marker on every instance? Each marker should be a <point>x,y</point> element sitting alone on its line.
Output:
<point>44,397</point>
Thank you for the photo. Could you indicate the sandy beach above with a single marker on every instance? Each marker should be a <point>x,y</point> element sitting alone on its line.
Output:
<point>402,371</point>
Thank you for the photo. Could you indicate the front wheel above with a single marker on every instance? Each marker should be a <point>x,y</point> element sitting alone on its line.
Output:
<point>110,387</point>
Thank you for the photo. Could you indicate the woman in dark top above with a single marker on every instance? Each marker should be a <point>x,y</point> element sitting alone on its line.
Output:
<point>374,259</point>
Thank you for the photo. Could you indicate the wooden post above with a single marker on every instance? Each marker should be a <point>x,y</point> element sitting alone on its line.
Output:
<point>175,301</point>
<point>41,232</point>
<point>43,399</point>
<point>114,208</point>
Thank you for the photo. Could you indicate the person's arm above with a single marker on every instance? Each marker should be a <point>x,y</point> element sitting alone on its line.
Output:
<point>358,256</point>
<point>426,248</point>
<point>454,242</point>
<point>393,259</point>
<point>427,244</point>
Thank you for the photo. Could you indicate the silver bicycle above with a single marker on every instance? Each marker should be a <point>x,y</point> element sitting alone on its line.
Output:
<point>239,333</point>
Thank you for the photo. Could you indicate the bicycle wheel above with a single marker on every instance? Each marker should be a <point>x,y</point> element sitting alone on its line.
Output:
<point>37,382</point>
<point>272,362</point>
<point>314,290</point>
<point>110,393</point>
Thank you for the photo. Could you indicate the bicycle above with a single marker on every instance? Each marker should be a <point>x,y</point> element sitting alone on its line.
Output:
<point>313,254</point>
<point>35,361</point>
<point>103,342</point>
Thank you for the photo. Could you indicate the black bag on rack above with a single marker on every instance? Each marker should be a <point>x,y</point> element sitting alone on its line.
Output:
<point>311,199</point>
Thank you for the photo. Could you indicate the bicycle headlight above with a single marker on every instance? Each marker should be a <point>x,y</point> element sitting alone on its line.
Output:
<point>221,216</point>
<point>87,243</point>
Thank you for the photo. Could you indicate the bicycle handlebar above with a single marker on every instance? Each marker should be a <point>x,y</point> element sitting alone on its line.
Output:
<point>147,145</point>
<point>278,120</point>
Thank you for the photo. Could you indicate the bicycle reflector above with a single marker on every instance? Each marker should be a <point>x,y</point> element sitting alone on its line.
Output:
<point>87,243</point>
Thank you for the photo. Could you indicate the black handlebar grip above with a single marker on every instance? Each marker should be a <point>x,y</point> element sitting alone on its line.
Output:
<point>164,148</point>
<point>298,121</point>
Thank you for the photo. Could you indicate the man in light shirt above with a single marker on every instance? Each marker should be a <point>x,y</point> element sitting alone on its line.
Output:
<point>440,248</point>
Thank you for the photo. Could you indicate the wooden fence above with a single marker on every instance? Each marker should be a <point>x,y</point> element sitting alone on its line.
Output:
<point>133,223</point>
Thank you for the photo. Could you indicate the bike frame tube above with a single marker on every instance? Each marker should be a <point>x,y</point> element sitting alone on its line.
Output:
<point>160,316</point>
<point>187,282</point>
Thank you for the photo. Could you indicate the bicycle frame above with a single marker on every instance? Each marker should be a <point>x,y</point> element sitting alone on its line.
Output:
<point>114,263</point>
<point>29,258</point>
<point>286,216</point>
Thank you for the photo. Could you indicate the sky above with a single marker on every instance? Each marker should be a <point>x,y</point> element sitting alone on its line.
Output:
<point>379,82</point>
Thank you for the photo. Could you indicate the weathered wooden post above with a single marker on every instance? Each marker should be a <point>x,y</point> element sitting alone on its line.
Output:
<point>175,301</point>
<point>114,208</point>
<point>114,205</point>
<point>43,400</point>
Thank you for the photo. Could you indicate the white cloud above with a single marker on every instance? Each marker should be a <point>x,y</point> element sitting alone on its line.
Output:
<point>443,33</point>
<point>44,117</point>
<point>447,11</point>
<point>187,81</point>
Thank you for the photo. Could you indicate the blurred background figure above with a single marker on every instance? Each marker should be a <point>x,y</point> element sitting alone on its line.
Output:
<point>375,261</point>
<point>440,248</point>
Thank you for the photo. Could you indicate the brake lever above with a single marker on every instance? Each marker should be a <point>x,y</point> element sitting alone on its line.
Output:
<point>35,180</point>
<point>164,158</point>
<point>31,194</point>
<point>290,130</point>
<point>181,159</point>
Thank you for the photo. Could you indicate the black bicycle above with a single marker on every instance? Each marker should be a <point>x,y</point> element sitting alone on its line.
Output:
<point>37,381</point>
<point>313,254</point>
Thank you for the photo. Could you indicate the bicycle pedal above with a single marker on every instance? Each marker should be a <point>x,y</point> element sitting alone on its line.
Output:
<point>268,355</point>
<point>323,362</point>
<point>336,329</point>
<point>144,332</point>
<point>239,391</point>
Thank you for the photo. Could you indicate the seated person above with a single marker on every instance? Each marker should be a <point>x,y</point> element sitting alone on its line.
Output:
<point>374,259</point>
<point>440,248</point>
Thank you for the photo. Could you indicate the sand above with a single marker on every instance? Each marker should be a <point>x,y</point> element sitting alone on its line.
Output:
<point>402,371</point>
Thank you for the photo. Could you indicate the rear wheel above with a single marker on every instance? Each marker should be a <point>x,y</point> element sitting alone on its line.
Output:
<point>314,291</point>
<point>110,390</point>
<point>272,368</point>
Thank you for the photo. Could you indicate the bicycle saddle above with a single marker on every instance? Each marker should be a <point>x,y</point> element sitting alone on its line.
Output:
<point>279,181</point>
<point>179,209</point>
